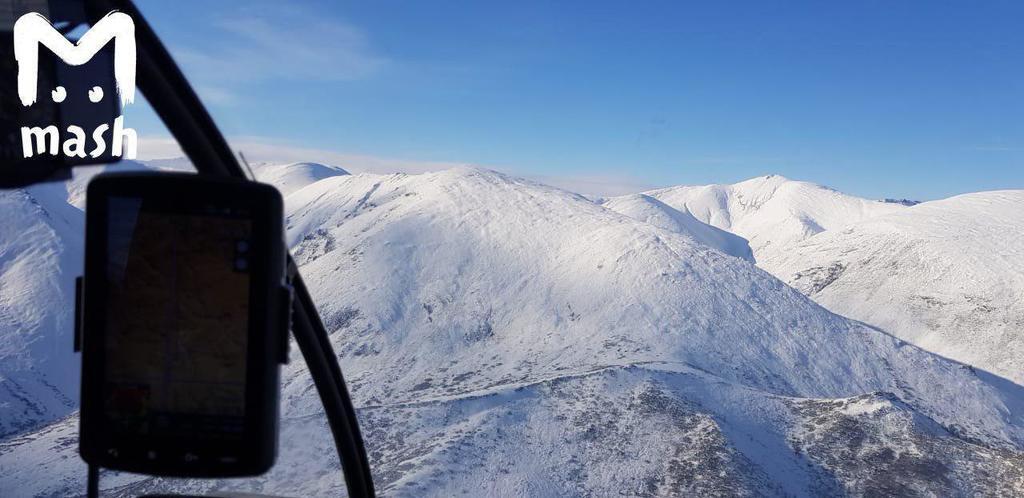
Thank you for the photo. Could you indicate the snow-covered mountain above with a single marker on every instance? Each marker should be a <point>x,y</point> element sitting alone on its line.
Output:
<point>650,210</point>
<point>40,256</point>
<point>472,264</point>
<point>290,177</point>
<point>41,253</point>
<point>501,337</point>
<point>772,212</point>
<point>81,176</point>
<point>945,275</point>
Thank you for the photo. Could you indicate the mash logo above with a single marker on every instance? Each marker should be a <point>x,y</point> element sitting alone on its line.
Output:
<point>31,31</point>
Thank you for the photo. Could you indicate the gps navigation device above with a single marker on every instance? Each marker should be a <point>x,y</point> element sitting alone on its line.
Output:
<point>184,323</point>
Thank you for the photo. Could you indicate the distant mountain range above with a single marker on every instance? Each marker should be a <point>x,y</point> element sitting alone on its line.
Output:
<point>945,275</point>
<point>503,337</point>
<point>772,212</point>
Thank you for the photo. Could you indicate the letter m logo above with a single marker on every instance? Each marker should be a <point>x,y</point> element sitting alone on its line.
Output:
<point>32,30</point>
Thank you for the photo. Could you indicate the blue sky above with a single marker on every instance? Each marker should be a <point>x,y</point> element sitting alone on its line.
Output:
<point>880,99</point>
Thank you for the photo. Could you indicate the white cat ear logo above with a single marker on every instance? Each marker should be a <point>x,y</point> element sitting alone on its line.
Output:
<point>31,31</point>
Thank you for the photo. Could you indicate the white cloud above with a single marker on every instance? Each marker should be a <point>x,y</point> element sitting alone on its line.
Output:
<point>216,94</point>
<point>151,148</point>
<point>264,150</point>
<point>281,42</point>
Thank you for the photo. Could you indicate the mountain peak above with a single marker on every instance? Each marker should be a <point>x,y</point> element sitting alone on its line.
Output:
<point>650,210</point>
<point>772,211</point>
<point>289,177</point>
<point>775,178</point>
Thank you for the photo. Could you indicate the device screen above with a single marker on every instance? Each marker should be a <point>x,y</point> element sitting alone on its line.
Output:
<point>177,319</point>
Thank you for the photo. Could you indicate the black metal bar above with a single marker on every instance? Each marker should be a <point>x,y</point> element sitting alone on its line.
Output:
<point>93,485</point>
<point>315,345</point>
<point>78,313</point>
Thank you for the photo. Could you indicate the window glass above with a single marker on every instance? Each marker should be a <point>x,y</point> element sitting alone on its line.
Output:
<point>605,248</point>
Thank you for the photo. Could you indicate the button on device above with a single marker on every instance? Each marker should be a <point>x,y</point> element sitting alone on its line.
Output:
<point>151,455</point>
<point>190,457</point>
<point>113,452</point>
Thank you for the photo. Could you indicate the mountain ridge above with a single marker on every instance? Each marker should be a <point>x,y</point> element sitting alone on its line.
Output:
<point>945,274</point>
<point>503,337</point>
<point>771,211</point>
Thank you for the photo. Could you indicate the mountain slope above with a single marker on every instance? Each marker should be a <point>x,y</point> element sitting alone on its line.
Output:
<point>290,177</point>
<point>650,210</point>
<point>503,337</point>
<point>945,275</point>
<point>82,175</point>
<point>40,256</point>
<point>772,212</point>
<point>469,264</point>
<point>647,430</point>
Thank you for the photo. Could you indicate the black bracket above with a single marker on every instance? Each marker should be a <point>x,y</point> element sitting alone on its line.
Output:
<point>79,309</point>
<point>287,293</point>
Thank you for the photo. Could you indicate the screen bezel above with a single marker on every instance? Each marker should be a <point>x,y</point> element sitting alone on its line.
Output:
<point>254,451</point>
